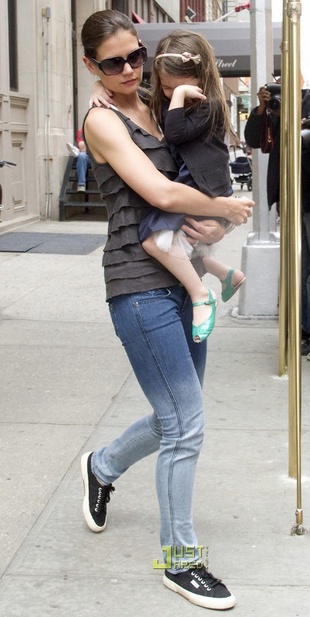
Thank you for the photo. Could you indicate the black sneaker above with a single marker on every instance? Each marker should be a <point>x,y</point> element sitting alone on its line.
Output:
<point>96,496</point>
<point>201,588</point>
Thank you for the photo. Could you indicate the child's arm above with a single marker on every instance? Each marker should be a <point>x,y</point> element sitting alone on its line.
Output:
<point>181,127</point>
<point>183,92</point>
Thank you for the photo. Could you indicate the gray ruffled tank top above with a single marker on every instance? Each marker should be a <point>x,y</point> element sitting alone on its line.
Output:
<point>127,267</point>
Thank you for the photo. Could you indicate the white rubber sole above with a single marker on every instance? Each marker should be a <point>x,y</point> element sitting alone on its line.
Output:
<point>220,604</point>
<point>87,515</point>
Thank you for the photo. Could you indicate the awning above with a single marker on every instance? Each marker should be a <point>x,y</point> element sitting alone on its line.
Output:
<point>230,41</point>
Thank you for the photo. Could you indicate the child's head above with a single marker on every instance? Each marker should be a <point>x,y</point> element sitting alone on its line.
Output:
<point>186,54</point>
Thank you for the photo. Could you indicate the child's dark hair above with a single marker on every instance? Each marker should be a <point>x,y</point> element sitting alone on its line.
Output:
<point>202,66</point>
<point>100,26</point>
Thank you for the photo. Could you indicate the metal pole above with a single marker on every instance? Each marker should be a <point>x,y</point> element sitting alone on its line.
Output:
<point>283,292</point>
<point>261,253</point>
<point>294,305</point>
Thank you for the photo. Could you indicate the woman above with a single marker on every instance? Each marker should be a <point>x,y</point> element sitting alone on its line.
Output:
<point>151,312</point>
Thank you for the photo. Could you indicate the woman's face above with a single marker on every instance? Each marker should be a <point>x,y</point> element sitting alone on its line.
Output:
<point>169,82</point>
<point>118,45</point>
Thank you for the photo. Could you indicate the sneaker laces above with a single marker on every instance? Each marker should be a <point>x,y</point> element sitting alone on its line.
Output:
<point>103,497</point>
<point>206,577</point>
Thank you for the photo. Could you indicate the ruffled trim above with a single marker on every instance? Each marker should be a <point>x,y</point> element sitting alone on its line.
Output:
<point>127,267</point>
<point>121,251</point>
<point>157,151</point>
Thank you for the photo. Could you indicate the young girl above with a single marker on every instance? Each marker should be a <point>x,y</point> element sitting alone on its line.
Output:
<point>195,123</point>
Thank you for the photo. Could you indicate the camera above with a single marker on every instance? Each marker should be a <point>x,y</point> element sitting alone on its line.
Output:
<point>274,102</point>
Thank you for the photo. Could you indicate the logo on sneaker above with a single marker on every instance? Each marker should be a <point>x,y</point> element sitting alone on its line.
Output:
<point>97,506</point>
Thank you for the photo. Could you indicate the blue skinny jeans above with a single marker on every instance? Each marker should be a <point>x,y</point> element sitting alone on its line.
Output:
<point>82,163</point>
<point>155,330</point>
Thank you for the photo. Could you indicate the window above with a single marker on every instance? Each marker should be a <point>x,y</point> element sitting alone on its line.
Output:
<point>140,8</point>
<point>13,57</point>
<point>120,5</point>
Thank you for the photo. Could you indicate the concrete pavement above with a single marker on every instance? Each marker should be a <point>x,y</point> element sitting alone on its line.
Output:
<point>67,387</point>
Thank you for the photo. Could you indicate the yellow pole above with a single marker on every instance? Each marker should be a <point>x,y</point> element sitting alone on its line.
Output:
<point>283,293</point>
<point>294,288</point>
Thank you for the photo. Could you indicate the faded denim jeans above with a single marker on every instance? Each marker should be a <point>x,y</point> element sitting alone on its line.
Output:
<point>155,330</point>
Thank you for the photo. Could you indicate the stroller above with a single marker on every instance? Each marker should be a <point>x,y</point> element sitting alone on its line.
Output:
<point>241,168</point>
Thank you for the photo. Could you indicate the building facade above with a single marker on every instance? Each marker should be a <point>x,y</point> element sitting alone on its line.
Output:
<point>44,93</point>
<point>45,89</point>
<point>209,10</point>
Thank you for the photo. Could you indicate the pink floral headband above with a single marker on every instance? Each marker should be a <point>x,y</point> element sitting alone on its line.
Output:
<point>186,56</point>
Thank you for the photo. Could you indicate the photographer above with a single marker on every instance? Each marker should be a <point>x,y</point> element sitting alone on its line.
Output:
<point>262,131</point>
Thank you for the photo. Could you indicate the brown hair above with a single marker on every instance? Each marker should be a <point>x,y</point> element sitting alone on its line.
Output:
<point>205,70</point>
<point>100,26</point>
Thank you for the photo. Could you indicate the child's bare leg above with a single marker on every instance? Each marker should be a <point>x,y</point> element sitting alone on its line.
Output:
<point>178,263</point>
<point>231,279</point>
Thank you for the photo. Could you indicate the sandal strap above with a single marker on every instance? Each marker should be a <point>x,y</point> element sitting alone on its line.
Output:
<point>213,301</point>
<point>227,280</point>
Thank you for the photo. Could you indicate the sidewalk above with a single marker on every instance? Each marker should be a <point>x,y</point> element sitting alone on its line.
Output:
<point>67,387</point>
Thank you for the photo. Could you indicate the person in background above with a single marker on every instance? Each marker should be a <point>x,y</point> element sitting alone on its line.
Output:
<point>83,160</point>
<point>254,133</point>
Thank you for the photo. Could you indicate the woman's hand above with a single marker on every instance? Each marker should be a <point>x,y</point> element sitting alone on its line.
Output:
<point>207,232</point>
<point>100,96</point>
<point>237,209</point>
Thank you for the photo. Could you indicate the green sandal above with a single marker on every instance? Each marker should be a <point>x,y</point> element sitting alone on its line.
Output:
<point>200,333</point>
<point>229,290</point>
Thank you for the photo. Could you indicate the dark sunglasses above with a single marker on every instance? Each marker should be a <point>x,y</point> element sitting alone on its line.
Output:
<point>114,66</point>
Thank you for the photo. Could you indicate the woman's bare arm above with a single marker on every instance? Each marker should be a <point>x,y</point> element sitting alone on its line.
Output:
<point>109,141</point>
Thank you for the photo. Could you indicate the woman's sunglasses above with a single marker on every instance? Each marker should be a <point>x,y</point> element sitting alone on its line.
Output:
<point>114,66</point>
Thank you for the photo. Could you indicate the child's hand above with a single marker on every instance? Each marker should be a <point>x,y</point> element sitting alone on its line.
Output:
<point>187,91</point>
<point>183,92</point>
<point>100,96</point>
